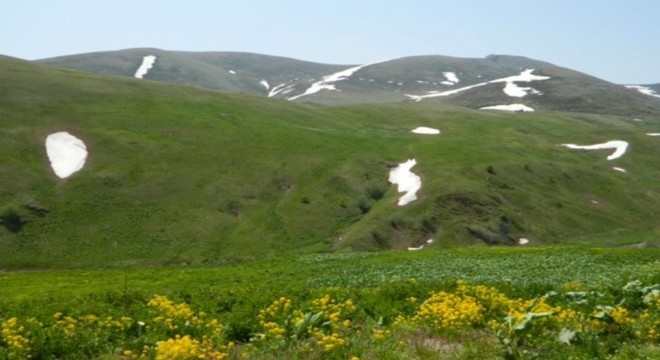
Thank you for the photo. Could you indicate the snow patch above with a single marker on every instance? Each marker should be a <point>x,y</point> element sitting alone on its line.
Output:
<point>524,76</point>
<point>619,169</point>
<point>416,248</point>
<point>644,90</point>
<point>147,63</point>
<point>451,77</point>
<point>407,181</point>
<point>619,146</point>
<point>281,88</point>
<point>653,134</point>
<point>66,153</point>
<point>510,107</point>
<point>523,241</point>
<point>327,83</point>
<point>265,84</point>
<point>232,72</point>
<point>514,90</point>
<point>638,120</point>
<point>426,130</point>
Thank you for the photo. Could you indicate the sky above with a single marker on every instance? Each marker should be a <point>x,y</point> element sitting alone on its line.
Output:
<point>615,40</point>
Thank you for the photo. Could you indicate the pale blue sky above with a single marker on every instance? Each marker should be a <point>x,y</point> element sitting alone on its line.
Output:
<point>618,41</point>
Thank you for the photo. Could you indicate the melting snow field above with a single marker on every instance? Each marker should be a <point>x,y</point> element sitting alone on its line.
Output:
<point>426,130</point>
<point>643,89</point>
<point>407,181</point>
<point>66,153</point>
<point>451,77</point>
<point>511,107</point>
<point>619,146</point>
<point>327,83</point>
<point>514,90</point>
<point>147,64</point>
<point>510,88</point>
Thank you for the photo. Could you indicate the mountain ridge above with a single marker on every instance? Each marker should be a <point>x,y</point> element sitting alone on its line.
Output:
<point>381,82</point>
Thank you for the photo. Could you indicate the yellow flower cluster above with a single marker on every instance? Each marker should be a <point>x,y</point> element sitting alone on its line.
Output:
<point>328,342</point>
<point>67,324</point>
<point>520,307</point>
<point>10,334</point>
<point>325,321</point>
<point>621,315</point>
<point>187,348</point>
<point>335,313</point>
<point>169,309</point>
<point>179,348</point>
<point>380,334</point>
<point>271,317</point>
<point>447,311</point>
<point>492,300</point>
<point>336,316</point>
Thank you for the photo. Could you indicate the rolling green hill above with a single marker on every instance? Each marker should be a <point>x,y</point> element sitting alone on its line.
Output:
<point>177,174</point>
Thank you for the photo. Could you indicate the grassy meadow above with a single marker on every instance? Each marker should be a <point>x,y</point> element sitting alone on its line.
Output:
<point>210,225</point>
<point>177,175</point>
<point>449,303</point>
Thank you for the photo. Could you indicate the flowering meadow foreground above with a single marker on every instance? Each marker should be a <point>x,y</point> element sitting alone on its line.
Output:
<point>403,319</point>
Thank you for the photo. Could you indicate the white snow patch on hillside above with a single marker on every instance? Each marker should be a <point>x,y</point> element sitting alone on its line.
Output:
<point>265,84</point>
<point>407,181</point>
<point>232,72</point>
<point>147,63</point>
<point>523,241</point>
<point>510,107</point>
<point>426,130</point>
<point>327,83</point>
<point>432,94</point>
<point>619,169</point>
<point>66,153</point>
<point>653,134</point>
<point>451,77</point>
<point>524,76</point>
<point>643,89</point>
<point>514,90</point>
<point>281,88</point>
<point>619,146</point>
<point>415,248</point>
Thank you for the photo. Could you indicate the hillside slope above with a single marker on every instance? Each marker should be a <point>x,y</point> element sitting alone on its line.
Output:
<point>183,175</point>
<point>473,82</point>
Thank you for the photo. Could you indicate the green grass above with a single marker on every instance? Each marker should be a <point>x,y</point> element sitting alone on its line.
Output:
<point>178,175</point>
<point>535,268</point>
<point>379,284</point>
<point>226,203</point>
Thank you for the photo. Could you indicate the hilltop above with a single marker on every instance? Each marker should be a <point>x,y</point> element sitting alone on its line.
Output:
<point>471,82</point>
<point>184,175</point>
